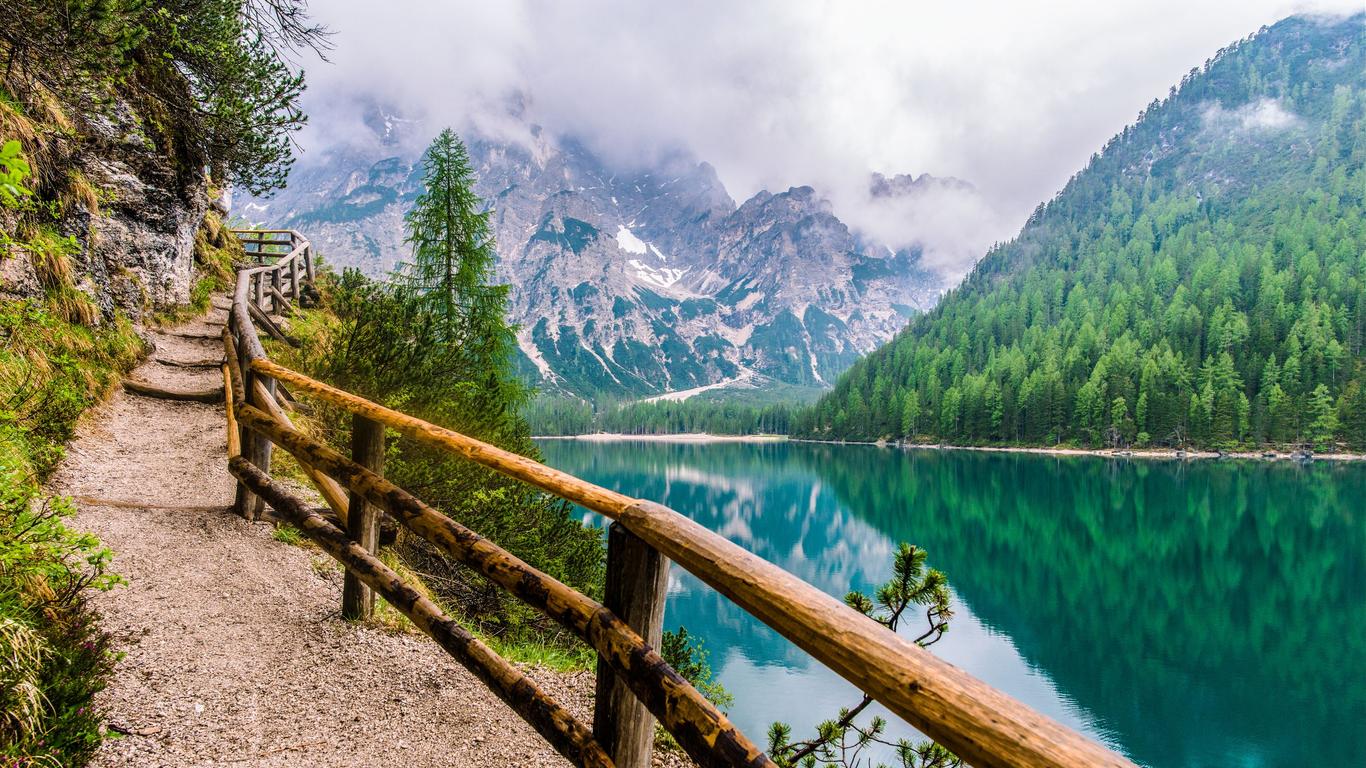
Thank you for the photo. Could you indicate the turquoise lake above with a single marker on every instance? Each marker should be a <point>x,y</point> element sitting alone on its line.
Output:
<point>1186,613</point>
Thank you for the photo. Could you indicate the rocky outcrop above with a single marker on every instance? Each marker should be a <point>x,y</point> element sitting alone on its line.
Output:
<point>130,209</point>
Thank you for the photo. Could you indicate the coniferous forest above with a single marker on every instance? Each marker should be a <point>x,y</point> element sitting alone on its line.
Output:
<point>726,416</point>
<point>1201,282</point>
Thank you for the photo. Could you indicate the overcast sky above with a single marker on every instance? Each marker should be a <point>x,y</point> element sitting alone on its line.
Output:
<point>1012,96</point>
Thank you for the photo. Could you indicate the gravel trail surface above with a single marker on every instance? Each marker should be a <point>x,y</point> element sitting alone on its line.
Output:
<point>236,653</point>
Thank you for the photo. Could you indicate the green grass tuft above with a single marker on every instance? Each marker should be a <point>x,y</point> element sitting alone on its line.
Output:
<point>287,534</point>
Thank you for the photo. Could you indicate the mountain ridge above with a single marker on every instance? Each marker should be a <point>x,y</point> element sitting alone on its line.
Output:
<point>633,283</point>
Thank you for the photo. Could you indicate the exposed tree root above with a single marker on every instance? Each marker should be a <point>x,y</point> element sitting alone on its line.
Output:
<point>213,395</point>
<point>211,363</point>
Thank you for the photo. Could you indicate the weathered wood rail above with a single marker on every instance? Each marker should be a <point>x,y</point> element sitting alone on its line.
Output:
<point>635,685</point>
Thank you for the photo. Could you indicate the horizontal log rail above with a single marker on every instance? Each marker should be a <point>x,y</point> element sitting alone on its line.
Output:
<point>530,471</point>
<point>980,724</point>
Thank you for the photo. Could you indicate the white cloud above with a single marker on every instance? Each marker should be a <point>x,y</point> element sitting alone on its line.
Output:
<point>1262,116</point>
<point>1011,96</point>
<point>953,224</point>
<point>1267,114</point>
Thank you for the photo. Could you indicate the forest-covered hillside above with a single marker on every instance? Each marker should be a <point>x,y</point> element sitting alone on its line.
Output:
<point>1202,281</point>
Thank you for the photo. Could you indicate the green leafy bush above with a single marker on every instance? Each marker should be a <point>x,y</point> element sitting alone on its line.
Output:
<point>53,656</point>
<point>13,170</point>
<point>688,656</point>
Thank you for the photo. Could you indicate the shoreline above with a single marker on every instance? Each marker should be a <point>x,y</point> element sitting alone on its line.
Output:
<point>1135,453</point>
<point>700,438</point>
<point>671,437</point>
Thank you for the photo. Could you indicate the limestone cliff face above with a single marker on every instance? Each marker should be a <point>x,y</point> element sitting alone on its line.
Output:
<point>128,205</point>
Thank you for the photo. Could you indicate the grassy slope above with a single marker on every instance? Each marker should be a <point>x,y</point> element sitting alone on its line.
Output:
<point>58,358</point>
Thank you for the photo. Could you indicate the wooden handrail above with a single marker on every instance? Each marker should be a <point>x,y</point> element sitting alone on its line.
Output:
<point>328,488</point>
<point>514,465</point>
<point>980,724</point>
<point>251,282</point>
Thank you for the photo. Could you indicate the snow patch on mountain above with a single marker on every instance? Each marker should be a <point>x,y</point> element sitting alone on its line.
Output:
<point>746,377</point>
<point>664,277</point>
<point>627,241</point>
<point>528,347</point>
<point>815,367</point>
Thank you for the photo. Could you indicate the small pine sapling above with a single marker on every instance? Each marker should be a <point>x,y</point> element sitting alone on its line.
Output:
<point>842,742</point>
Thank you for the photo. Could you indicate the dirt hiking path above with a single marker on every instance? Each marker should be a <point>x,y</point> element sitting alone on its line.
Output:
<point>236,651</point>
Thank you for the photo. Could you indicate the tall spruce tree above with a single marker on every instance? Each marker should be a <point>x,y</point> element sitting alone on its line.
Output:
<point>451,272</point>
<point>1353,407</point>
<point>433,342</point>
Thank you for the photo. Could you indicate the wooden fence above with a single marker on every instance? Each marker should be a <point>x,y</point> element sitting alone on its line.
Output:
<point>635,686</point>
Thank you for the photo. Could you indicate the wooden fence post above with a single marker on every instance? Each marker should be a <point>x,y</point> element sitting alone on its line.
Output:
<point>245,502</point>
<point>257,448</point>
<point>637,583</point>
<point>274,284</point>
<point>362,518</point>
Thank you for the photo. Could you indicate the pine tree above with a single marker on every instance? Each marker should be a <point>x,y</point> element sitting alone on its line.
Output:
<point>995,406</point>
<point>1323,418</point>
<point>950,413</point>
<point>452,242</point>
<point>1352,405</point>
<point>433,342</point>
<point>1090,414</point>
<point>910,416</point>
<point>1276,404</point>
<point>1141,419</point>
<point>1196,423</point>
<point>1121,431</point>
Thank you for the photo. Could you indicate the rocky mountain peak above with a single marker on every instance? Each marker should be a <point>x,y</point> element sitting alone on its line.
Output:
<point>632,280</point>
<point>905,184</point>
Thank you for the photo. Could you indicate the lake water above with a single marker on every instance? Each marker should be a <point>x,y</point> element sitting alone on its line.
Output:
<point>1185,613</point>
